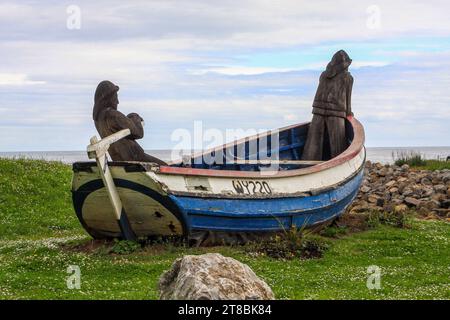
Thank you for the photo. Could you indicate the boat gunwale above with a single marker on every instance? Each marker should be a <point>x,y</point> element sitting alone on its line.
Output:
<point>352,151</point>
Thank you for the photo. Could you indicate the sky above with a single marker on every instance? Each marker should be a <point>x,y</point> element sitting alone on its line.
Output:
<point>227,64</point>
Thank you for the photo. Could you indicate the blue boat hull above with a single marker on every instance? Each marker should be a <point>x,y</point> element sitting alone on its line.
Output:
<point>256,215</point>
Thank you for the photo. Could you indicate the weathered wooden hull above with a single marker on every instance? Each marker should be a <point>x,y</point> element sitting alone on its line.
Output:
<point>175,200</point>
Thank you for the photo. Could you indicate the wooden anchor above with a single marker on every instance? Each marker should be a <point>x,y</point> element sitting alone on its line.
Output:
<point>98,150</point>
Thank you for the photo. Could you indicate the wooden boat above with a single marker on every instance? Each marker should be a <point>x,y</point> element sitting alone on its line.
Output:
<point>244,194</point>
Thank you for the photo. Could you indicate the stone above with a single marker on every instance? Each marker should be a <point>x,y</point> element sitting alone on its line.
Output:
<point>373,199</point>
<point>446,204</point>
<point>435,180</point>
<point>380,202</point>
<point>407,191</point>
<point>365,189</point>
<point>397,201</point>
<point>440,188</point>
<point>412,201</point>
<point>425,181</point>
<point>212,276</point>
<point>446,178</point>
<point>418,190</point>
<point>401,186</point>
<point>390,171</point>
<point>427,191</point>
<point>404,167</point>
<point>359,209</point>
<point>440,197</point>
<point>393,190</point>
<point>442,212</point>
<point>400,208</point>
<point>382,172</point>
<point>390,184</point>
<point>363,203</point>
<point>430,205</point>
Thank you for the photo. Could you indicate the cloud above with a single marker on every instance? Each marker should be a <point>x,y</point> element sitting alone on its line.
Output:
<point>242,70</point>
<point>217,24</point>
<point>17,79</point>
<point>255,65</point>
<point>397,105</point>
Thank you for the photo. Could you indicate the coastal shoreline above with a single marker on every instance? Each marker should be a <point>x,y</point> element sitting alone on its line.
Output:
<point>384,155</point>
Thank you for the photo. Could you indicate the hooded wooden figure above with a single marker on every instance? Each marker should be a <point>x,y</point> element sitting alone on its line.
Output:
<point>332,104</point>
<point>109,120</point>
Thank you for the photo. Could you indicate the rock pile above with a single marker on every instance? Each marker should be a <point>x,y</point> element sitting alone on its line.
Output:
<point>396,189</point>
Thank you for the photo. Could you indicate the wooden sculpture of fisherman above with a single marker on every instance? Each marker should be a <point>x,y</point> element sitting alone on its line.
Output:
<point>109,120</point>
<point>332,104</point>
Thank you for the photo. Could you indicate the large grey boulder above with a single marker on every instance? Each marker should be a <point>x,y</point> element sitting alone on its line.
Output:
<point>212,277</point>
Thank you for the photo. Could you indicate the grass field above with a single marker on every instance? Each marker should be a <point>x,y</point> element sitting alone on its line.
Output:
<point>434,165</point>
<point>40,238</point>
<point>417,161</point>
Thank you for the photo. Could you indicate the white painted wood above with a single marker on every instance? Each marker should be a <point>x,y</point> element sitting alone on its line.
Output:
<point>279,186</point>
<point>100,148</point>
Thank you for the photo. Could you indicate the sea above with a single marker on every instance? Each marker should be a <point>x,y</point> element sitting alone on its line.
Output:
<point>383,155</point>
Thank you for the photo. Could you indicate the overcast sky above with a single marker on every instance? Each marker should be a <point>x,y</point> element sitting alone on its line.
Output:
<point>230,64</point>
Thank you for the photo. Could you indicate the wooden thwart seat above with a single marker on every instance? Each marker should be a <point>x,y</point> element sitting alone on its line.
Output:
<point>278,162</point>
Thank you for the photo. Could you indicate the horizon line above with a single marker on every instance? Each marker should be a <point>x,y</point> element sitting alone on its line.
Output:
<point>195,150</point>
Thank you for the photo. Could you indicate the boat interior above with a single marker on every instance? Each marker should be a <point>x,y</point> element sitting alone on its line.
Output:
<point>258,152</point>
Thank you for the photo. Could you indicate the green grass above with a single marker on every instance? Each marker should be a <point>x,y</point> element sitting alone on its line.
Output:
<point>416,160</point>
<point>35,199</point>
<point>40,237</point>
<point>434,165</point>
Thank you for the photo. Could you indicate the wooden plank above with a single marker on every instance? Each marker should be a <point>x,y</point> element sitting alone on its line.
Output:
<point>111,190</point>
<point>269,162</point>
<point>99,150</point>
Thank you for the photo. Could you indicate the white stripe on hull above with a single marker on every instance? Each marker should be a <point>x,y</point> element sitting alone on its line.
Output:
<point>282,186</point>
